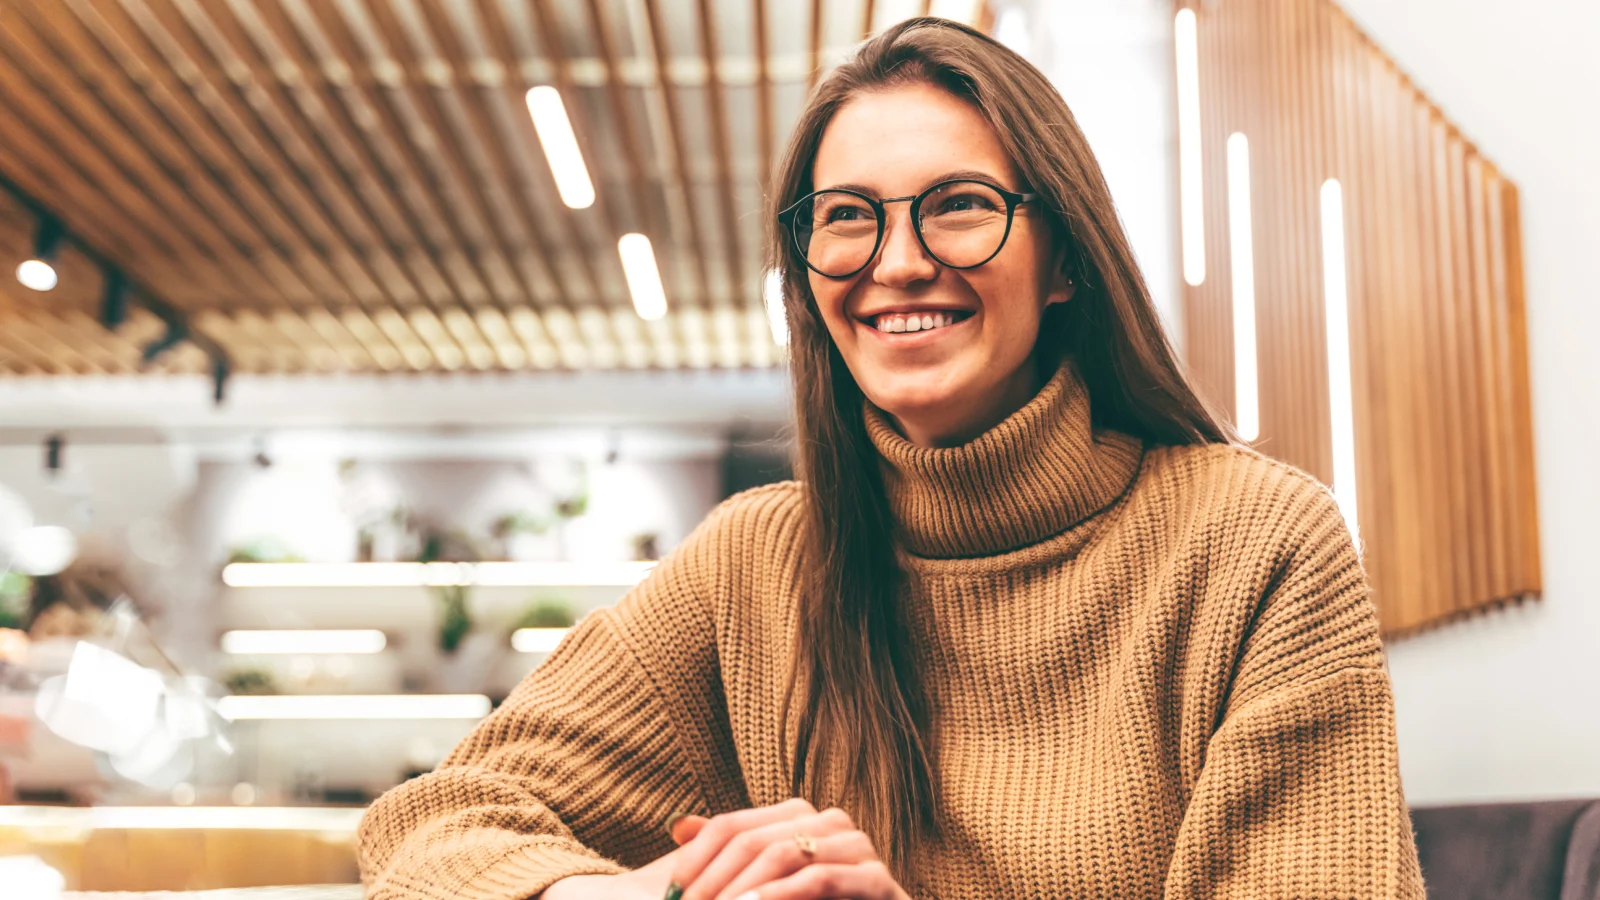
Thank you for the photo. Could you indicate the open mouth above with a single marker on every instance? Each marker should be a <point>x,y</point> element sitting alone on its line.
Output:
<point>900,322</point>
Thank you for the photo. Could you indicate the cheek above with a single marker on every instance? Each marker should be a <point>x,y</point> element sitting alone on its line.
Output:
<point>830,296</point>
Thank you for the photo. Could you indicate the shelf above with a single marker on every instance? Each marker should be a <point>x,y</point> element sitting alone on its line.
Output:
<point>439,574</point>
<point>256,818</point>
<point>303,641</point>
<point>353,706</point>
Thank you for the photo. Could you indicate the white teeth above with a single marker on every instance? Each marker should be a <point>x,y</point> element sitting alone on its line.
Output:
<point>895,323</point>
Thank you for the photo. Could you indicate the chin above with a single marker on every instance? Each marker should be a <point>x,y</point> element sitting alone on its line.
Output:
<point>918,394</point>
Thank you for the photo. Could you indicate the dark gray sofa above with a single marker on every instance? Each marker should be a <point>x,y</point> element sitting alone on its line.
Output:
<point>1511,851</point>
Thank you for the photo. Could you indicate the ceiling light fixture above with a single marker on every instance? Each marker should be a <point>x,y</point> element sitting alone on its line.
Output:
<point>560,146</point>
<point>1190,191</point>
<point>1341,393</point>
<point>1247,389</point>
<point>644,279</point>
<point>39,273</point>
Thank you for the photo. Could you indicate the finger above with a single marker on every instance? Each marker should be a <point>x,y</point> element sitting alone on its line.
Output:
<point>744,849</point>
<point>784,858</point>
<point>858,881</point>
<point>683,828</point>
<point>715,834</point>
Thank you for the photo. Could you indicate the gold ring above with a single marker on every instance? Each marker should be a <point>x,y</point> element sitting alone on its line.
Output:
<point>806,843</point>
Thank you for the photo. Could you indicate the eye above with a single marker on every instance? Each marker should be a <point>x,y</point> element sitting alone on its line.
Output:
<point>966,201</point>
<point>847,213</point>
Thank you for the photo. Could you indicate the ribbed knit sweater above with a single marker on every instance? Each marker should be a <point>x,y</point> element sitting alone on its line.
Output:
<point>1152,672</point>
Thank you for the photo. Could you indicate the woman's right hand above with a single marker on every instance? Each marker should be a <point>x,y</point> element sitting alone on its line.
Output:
<point>647,883</point>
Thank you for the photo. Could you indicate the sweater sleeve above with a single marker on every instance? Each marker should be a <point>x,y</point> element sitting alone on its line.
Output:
<point>1299,794</point>
<point>622,726</point>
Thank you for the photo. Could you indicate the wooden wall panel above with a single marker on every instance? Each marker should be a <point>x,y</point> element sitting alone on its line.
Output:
<point>1442,419</point>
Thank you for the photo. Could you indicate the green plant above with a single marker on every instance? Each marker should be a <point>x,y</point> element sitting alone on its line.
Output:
<point>514,523</point>
<point>250,680</point>
<point>455,618</point>
<point>15,591</point>
<point>263,550</point>
<point>575,505</point>
<point>547,612</point>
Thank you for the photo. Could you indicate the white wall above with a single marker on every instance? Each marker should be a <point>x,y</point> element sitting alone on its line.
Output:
<point>1112,62</point>
<point>1508,706</point>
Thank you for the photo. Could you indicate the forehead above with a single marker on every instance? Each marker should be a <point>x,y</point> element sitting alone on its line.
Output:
<point>900,140</point>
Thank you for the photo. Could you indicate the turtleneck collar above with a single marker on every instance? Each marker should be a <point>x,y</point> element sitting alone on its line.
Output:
<point>1035,475</point>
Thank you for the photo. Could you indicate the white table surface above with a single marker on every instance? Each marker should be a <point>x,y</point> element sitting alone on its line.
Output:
<point>292,892</point>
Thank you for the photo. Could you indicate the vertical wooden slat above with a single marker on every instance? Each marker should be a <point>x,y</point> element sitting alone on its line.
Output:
<point>722,152</point>
<point>695,238</point>
<point>1485,372</point>
<point>1433,273</point>
<point>763,96</point>
<point>816,43</point>
<point>1522,421</point>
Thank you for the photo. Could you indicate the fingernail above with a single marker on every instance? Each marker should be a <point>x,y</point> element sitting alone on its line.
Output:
<point>748,895</point>
<point>674,819</point>
<point>673,893</point>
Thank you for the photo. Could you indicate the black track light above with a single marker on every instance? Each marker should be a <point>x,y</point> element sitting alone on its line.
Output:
<point>177,332</point>
<point>220,372</point>
<point>53,446</point>
<point>114,300</point>
<point>39,273</point>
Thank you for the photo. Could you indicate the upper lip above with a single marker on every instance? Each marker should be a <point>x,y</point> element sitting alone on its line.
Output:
<point>909,308</point>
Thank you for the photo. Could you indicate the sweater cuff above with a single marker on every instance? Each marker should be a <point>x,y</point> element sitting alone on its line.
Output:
<point>527,872</point>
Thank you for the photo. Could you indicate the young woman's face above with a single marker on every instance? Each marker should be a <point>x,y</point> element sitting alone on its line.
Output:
<point>947,384</point>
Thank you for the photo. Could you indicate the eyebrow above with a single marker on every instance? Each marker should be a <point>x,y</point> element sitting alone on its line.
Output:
<point>958,175</point>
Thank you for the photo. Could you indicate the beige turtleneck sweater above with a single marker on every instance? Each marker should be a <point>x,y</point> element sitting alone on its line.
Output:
<point>1153,672</point>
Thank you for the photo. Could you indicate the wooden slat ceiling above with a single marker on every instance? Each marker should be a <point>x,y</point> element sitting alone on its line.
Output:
<point>355,185</point>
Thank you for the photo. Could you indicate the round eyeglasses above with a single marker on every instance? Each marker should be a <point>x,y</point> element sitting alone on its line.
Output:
<point>962,224</point>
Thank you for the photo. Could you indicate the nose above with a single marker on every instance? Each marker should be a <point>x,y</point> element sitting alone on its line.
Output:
<point>902,261</point>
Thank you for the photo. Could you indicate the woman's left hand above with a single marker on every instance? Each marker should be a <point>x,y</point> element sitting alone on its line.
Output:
<point>784,852</point>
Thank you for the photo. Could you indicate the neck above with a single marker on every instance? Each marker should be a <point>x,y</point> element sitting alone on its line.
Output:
<point>954,424</point>
<point>1036,474</point>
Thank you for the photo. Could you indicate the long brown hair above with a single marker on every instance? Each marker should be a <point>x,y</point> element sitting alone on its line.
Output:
<point>862,735</point>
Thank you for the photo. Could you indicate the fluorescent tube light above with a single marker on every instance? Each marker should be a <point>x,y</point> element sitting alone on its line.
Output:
<point>1341,395</point>
<point>644,279</point>
<point>1247,399</point>
<point>364,640</point>
<point>355,706</point>
<point>1190,193</point>
<point>560,146</point>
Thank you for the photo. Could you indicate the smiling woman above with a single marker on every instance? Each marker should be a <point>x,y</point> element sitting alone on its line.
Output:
<point>1029,625</point>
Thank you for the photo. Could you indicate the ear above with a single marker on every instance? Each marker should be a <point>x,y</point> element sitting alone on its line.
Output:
<point>1062,286</point>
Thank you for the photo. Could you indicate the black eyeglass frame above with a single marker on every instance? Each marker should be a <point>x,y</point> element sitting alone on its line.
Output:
<point>1012,198</point>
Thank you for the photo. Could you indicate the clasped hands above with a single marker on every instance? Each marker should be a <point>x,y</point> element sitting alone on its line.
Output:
<point>789,851</point>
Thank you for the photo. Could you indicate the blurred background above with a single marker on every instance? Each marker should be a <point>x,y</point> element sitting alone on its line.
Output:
<point>358,348</point>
